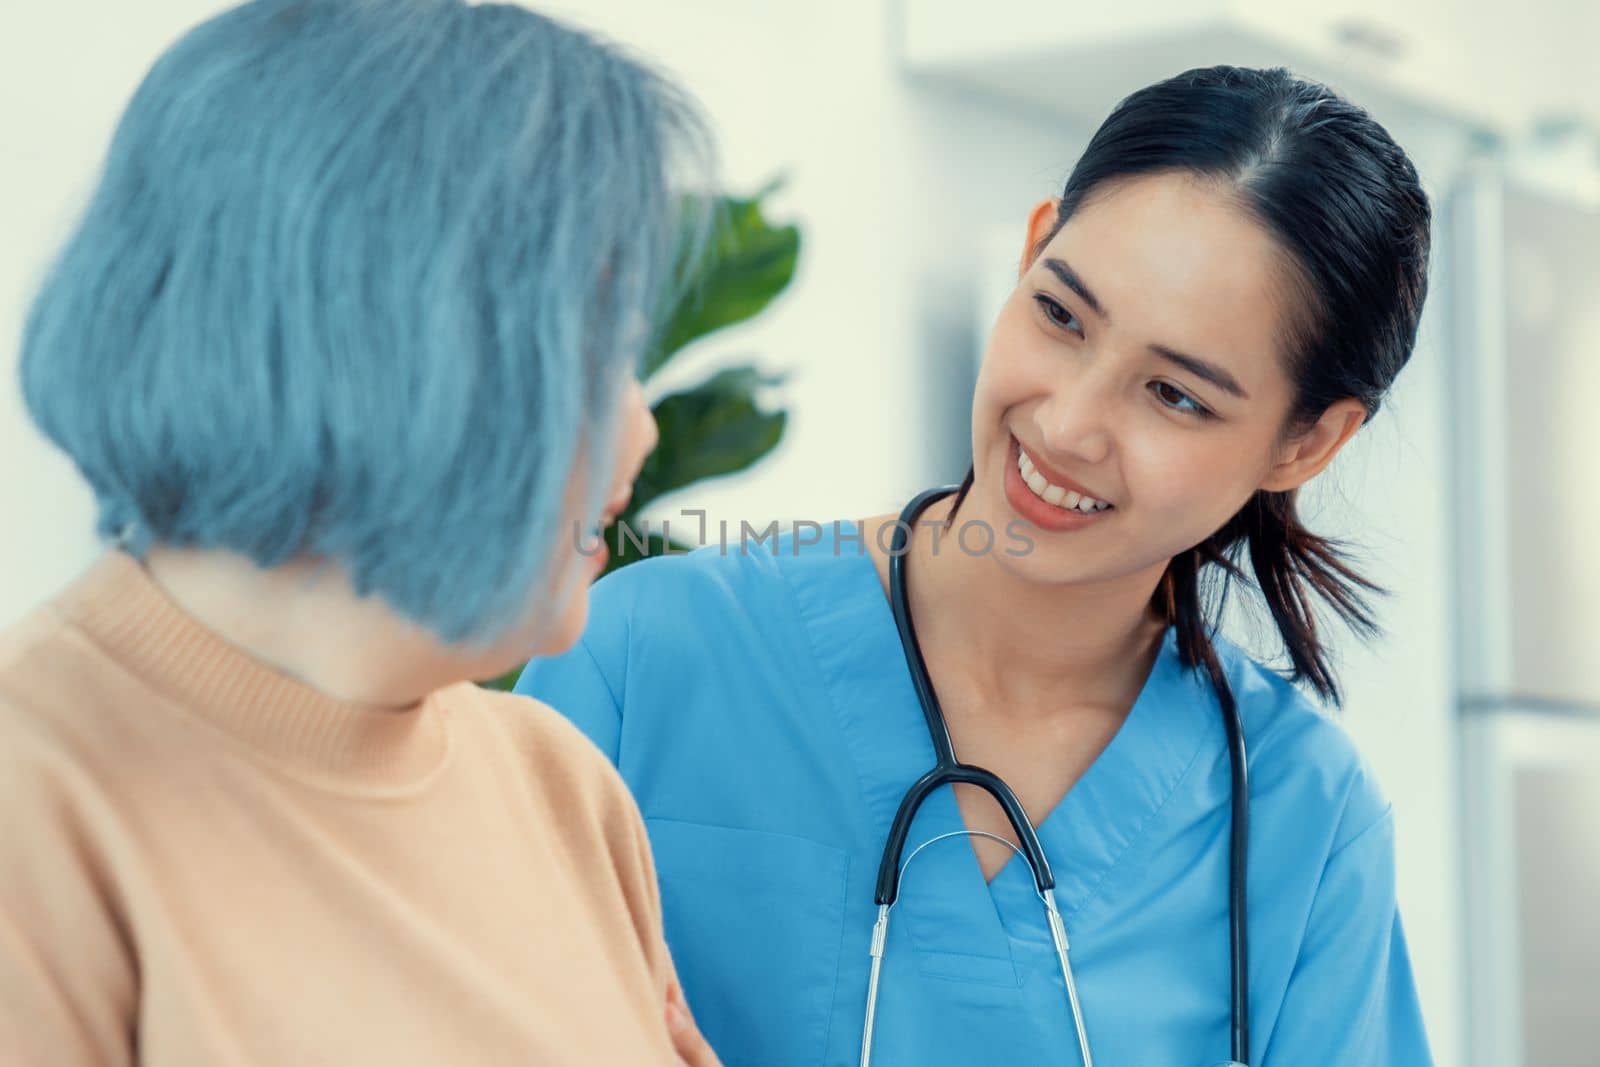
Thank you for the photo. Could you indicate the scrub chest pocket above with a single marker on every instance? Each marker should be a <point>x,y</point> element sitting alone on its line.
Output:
<point>749,978</point>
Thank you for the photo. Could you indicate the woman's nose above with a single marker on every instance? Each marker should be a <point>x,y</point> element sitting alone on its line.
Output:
<point>1074,421</point>
<point>645,433</point>
<point>653,437</point>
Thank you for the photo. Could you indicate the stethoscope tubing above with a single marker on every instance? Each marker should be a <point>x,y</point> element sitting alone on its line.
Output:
<point>948,770</point>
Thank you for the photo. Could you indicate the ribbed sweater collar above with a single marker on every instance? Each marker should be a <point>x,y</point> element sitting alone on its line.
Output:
<point>353,746</point>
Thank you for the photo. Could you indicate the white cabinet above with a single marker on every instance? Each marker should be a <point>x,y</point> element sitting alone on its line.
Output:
<point>1532,801</point>
<point>1527,521</point>
<point>1528,333</point>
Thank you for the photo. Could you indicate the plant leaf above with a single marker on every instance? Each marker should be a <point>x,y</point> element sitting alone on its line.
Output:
<point>746,263</point>
<point>712,429</point>
<point>506,681</point>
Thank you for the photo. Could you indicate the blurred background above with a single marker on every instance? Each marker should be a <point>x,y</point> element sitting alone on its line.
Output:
<point>914,135</point>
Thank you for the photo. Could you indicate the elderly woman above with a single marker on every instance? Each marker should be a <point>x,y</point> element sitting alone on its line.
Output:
<point>344,344</point>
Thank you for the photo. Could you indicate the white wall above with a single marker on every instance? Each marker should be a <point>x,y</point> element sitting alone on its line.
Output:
<point>66,69</point>
<point>901,189</point>
<point>877,331</point>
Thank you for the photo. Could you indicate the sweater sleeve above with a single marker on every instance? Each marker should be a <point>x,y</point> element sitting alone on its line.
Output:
<point>68,985</point>
<point>644,900</point>
<point>584,779</point>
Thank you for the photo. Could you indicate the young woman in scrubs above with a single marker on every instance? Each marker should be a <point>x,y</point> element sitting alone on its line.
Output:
<point>1218,300</point>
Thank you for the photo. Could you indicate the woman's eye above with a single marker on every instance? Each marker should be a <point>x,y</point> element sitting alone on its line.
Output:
<point>1059,315</point>
<point>1178,400</point>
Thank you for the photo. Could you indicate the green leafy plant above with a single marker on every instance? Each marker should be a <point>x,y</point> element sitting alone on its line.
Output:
<point>717,426</point>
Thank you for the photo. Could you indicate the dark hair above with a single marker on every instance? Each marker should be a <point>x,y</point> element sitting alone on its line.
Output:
<point>1344,203</point>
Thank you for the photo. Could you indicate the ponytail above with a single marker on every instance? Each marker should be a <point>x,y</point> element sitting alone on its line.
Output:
<point>1292,565</point>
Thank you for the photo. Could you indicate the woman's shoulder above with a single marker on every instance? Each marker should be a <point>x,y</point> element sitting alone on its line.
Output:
<point>1300,754</point>
<point>60,695</point>
<point>23,644</point>
<point>677,639</point>
<point>563,761</point>
<point>565,783</point>
<point>733,575</point>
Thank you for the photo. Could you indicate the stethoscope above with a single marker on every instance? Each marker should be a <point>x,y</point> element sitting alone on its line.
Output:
<point>947,770</point>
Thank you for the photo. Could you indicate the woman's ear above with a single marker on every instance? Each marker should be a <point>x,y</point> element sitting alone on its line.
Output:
<point>1308,453</point>
<point>1040,222</point>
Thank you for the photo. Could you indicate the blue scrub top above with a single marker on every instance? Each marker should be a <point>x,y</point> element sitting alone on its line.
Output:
<point>758,704</point>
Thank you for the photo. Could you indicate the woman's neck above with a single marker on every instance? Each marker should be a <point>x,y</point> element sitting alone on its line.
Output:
<point>1019,644</point>
<point>306,622</point>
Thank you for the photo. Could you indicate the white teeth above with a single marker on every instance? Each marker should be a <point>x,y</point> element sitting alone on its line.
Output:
<point>1054,494</point>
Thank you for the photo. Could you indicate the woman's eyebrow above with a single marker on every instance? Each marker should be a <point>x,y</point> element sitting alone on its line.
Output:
<point>1070,279</point>
<point>1201,369</point>
<point>1193,364</point>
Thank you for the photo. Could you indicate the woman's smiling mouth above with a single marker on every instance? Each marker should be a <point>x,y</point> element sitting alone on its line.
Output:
<point>1044,501</point>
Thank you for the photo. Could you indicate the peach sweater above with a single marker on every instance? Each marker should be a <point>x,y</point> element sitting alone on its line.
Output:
<point>205,863</point>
